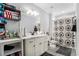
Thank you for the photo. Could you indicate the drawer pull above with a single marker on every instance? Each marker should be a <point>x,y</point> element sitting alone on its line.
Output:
<point>30,41</point>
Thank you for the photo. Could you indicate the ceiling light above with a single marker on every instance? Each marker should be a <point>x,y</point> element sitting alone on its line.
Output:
<point>63,11</point>
<point>29,11</point>
<point>35,13</point>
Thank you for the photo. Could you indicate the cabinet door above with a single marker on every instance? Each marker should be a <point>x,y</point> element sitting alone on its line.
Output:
<point>37,47</point>
<point>45,45</point>
<point>41,44</point>
<point>29,47</point>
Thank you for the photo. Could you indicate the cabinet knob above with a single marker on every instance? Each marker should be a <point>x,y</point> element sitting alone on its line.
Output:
<point>30,41</point>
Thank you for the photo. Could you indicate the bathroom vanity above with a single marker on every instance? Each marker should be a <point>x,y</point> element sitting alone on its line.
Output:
<point>26,46</point>
<point>36,45</point>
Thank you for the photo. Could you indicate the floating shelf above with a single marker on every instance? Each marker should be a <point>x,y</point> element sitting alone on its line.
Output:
<point>12,9</point>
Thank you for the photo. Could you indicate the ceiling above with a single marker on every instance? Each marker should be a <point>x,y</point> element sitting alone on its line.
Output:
<point>57,7</point>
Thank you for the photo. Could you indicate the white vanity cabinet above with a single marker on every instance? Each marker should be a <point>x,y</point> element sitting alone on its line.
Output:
<point>36,46</point>
<point>45,45</point>
<point>29,47</point>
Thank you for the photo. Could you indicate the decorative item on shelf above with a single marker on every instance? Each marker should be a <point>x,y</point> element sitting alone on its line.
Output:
<point>1,7</point>
<point>9,6</point>
<point>1,13</point>
<point>7,14</point>
<point>3,21</point>
<point>11,34</point>
<point>1,10</point>
<point>15,34</point>
<point>35,29</point>
<point>7,34</point>
<point>2,31</point>
<point>11,13</point>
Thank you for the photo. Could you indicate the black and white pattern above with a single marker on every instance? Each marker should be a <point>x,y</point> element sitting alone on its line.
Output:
<point>61,34</point>
<point>61,21</point>
<point>56,34</point>
<point>63,31</point>
<point>60,41</point>
<point>67,42</point>
<point>68,35</point>
<point>68,28</point>
<point>56,28</point>
<point>67,20</point>
<point>56,39</point>
<point>61,28</point>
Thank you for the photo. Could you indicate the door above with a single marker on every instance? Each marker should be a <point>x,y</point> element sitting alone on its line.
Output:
<point>41,44</point>
<point>29,47</point>
<point>45,45</point>
<point>37,47</point>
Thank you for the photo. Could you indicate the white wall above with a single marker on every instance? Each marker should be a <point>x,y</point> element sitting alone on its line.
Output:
<point>13,25</point>
<point>29,21</point>
<point>77,40</point>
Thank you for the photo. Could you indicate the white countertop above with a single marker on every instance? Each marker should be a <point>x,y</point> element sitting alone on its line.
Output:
<point>6,41</point>
<point>33,36</point>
